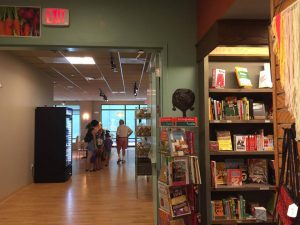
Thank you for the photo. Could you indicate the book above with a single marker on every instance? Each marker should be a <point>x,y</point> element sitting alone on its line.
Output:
<point>213,167</point>
<point>177,142</point>
<point>163,174</point>
<point>179,171</point>
<point>218,212</point>
<point>164,217</point>
<point>258,171</point>
<point>218,78</point>
<point>240,142</point>
<point>224,140</point>
<point>234,177</point>
<point>243,77</point>
<point>163,196</point>
<point>166,121</point>
<point>259,112</point>
<point>268,143</point>
<point>221,173</point>
<point>190,140</point>
<point>186,121</point>
<point>178,201</point>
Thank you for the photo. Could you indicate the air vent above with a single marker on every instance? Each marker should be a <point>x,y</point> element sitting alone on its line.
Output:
<point>132,61</point>
<point>55,60</point>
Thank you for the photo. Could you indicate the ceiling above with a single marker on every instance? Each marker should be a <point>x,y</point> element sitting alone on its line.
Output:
<point>76,82</point>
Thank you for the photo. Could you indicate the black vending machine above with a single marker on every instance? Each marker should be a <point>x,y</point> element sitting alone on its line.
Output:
<point>53,144</point>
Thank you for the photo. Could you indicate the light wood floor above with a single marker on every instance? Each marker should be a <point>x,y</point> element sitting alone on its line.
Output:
<point>106,197</point>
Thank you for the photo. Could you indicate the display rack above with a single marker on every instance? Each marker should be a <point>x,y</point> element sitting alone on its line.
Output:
<point>143,165</point>
<point>250,192</point>
<point>179,179</point>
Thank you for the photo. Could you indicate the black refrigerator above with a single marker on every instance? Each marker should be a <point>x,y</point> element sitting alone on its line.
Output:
<point>53,144</point>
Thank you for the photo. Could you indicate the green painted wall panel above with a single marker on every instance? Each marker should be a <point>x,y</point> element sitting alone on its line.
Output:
<point>168,24</point>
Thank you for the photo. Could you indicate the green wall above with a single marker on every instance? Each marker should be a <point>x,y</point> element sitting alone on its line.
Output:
<point>168,24</point>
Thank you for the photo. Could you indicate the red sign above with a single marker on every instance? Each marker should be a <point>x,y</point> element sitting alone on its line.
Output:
<point>55,17</point>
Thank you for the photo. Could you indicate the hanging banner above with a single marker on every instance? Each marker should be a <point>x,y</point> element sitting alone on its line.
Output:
<point>16,21</point>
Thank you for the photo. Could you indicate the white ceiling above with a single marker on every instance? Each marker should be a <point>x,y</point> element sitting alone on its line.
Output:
<point>82,82</point>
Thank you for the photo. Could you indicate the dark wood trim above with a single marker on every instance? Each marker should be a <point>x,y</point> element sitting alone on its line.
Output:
<point>240,153</point>
<point>241,90</point>
<point>246,187</point>
<point>239,59</point>
<point>239,121</point>
<point>233,33</point>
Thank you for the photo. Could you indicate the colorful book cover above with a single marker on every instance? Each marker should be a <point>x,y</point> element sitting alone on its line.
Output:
<point>224,140</point>
<point>219,210</point>
<point>163,196</point>
<point>234,177</point>
<point>186,121</point>
<point>258,171</point>
<point>218,78</point>
<point>179,172</point>
<point>221,173</point>
<point>177,142</point>
<point>243,77</point>
<point>166,121</point>
<point>179,203</point>
<point>240,142</point>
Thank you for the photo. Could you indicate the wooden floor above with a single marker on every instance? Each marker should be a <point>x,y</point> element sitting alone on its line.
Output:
<point>106,197</point>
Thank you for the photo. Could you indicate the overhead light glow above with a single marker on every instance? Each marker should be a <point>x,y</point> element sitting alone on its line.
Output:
<point>81,60</point>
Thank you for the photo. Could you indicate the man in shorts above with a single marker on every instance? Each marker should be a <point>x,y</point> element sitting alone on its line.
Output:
<point>123,132</point>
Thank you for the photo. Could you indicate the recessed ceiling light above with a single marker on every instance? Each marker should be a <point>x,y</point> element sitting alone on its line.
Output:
<point>70,86</point>
<point>72,75</point>
<point>81,60</point>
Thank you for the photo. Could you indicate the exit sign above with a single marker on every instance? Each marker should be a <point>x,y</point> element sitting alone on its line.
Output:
<point>55,17</point>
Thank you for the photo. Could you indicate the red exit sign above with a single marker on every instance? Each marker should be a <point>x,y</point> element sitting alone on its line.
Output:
<point>55,17</point>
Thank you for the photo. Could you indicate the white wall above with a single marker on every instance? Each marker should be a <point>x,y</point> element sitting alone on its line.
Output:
<point>22,90</point>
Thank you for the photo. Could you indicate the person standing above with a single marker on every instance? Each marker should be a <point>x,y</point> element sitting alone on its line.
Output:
<point>100,147</point>
<point>123,132</point>
<point>107,148</point>
<point>91,140</point>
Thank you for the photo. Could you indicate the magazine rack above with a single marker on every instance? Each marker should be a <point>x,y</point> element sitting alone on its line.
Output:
<point>179,176</point>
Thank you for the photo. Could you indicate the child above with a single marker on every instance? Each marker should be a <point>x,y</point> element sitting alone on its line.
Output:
<point>107,148</point>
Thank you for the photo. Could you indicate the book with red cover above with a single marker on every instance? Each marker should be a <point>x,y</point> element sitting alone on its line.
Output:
<point>166,121</point>
<point>186,121</point>
<point>234,177</point>
<point>218,78</point>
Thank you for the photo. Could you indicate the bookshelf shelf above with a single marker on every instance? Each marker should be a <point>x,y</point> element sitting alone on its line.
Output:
<point>241,90</point>
<point>242,153</point>
<point>245,221</point>
<point>246,187</point>
<point>239,121</point>
<point>233,103</point>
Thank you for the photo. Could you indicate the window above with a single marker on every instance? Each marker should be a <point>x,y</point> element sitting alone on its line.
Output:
<point>111,114</point>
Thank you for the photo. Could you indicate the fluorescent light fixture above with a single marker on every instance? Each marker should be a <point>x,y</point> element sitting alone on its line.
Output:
<point>118,92</point>
<point>81,60</point>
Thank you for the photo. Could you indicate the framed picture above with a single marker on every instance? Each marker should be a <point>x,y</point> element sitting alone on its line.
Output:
<point>19,21</point>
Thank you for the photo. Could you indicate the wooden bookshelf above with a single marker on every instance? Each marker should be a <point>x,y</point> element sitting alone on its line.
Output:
<point>254,193</point>
<point>241,90</point>
<point>240,121</point>
<point>242,153</point>
<point>243,221</point>
<point>245,187</point>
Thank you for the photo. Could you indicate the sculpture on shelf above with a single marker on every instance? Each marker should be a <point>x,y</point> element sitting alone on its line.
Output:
<point>183,99</point>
